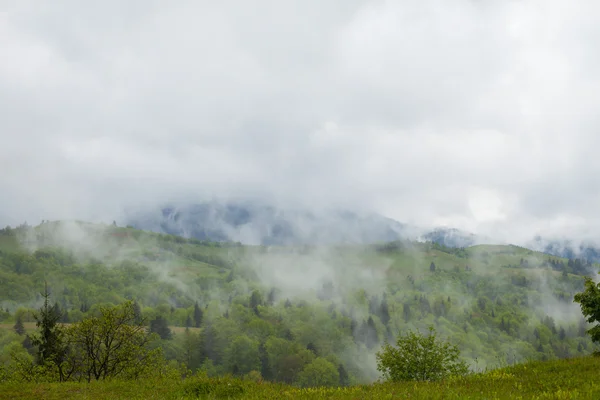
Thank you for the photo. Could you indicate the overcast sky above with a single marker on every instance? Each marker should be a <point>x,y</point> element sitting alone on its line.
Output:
<point>481,115</point>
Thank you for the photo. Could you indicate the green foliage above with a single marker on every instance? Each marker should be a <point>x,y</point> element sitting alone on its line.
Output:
<point>420,358</point>
<point>49,340</point>
<point>111,345</point>
<point>589,300</point>
<point>19,327</point>
<point>319,372</point>
<point>160,326</point>
<point>493,306</point>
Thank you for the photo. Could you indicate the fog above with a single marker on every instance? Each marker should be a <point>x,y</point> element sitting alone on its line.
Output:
<point>476,115</point>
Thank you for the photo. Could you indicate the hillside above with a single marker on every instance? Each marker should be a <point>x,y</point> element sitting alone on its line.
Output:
<point>288,306</point>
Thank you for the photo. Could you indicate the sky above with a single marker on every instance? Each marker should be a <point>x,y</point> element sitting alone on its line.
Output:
<point>471,114</point>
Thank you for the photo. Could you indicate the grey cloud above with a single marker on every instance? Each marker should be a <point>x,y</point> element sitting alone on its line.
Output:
<point>476,115</point>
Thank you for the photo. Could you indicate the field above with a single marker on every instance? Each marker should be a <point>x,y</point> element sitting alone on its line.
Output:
<point>564,379</point>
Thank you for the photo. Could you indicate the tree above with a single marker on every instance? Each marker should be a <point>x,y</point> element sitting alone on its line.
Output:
<point>384,312</point>
<point>589,300</point>
<point>319,372</point>
<point>243,355</point>
<point>255,301</point>
<point>160,326</point>
<point>421,358</point>
<point>50,343</point>
<point>406,312</point>
<point>137,312</point>
<point>198,315</point>
<point>432,267</point>
<point>19,327</point>
<point>344,377</point>
<point>111,345</point>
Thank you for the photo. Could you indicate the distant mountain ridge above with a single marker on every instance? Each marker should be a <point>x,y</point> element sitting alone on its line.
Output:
<point>257,223</point>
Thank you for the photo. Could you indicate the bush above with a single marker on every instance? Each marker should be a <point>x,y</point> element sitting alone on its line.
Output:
<point>420,358</point>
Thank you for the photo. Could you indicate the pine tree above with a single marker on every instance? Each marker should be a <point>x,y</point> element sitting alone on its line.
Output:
<point>19,327</point>
<point>406,312</point>
<point>384,312</point>
<point>344,378</point>
<point>137,312</point>
<point>198,315</point>
<point>160,326</point>
<point>49,340</point>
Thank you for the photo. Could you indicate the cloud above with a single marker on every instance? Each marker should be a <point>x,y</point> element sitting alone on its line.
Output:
<point>476,115</point>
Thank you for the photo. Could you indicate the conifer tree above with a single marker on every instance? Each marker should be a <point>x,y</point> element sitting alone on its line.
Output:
<point>198,315</point>
<point>50,343</point>
<point>19,327</point>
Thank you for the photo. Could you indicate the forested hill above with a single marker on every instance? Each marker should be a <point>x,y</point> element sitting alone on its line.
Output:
<point>279,311</point>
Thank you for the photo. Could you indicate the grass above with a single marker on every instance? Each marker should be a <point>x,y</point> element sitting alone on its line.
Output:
<point>574,378</point>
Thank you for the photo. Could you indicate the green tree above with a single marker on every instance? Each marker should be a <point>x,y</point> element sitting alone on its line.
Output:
<point>137,312</point>
<point>160,326</point>
<point>198,315</point>
<point>49,340</point>
<point>421,358</point>
<point>589,301</point>
<point>256,300</point>
<point>319,372</point>
<point>243,355</point>
<point>112,345</point>
<point>19,327</point>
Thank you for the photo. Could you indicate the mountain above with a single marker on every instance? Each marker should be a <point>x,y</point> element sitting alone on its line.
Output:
<point>258,223</point>
<point>585,249</point>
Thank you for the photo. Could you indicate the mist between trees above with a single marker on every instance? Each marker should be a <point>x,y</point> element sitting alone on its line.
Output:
<point>302,315</point>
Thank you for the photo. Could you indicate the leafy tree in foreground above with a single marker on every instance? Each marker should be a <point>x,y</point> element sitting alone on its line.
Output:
<point>421,358</point>
<point>589,300</point>
<point>111,345</point>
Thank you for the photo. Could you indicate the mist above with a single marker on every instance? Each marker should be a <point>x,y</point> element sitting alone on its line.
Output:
<point>477,116</point>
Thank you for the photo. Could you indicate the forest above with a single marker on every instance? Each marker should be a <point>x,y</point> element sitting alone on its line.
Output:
<point>303,316</point>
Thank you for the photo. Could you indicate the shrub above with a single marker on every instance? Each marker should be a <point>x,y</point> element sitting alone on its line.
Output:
<point>420,358</point>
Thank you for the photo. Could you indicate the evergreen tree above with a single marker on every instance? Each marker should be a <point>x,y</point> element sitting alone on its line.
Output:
<point>198,315</point>
<point>51,347</point>
<point>271,297</point>
<point>310,346</point>
<point>160,326</point>
<point>344,378</point>
<point>384,312</point>
<point>255,301</point>
<point>406,313</point>
<point>19,327</point>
